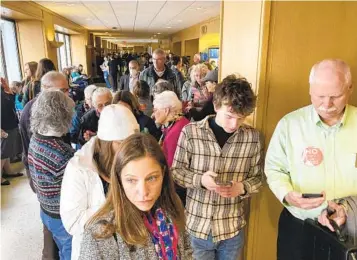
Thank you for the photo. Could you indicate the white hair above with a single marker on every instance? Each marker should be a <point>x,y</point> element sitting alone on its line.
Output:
<point>50,79</point>
<point>52,112</point>
<point>100,91</point>
<point>168,99</point>
<point>331,65</point>
<point>88,91</point>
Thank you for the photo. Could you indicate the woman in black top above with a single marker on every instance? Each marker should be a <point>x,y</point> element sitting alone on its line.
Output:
<point>9,142</point>
<point>147,124</point>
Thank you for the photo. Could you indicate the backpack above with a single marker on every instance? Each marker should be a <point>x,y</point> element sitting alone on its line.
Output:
<point>351,223</point>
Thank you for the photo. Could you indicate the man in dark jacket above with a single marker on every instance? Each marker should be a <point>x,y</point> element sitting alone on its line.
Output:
<point>127,82</point>
<point>160,71</point>
<point>49,82</point>
<point>89,122</point>
<point>114,67</point>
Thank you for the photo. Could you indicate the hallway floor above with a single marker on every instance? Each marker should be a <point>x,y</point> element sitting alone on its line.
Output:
<point>21,227</point>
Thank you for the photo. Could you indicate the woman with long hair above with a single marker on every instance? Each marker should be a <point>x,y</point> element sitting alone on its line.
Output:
<point>34,87</point>
<point>142,217</point>
<point>30,72</point>
<point>87,176</point>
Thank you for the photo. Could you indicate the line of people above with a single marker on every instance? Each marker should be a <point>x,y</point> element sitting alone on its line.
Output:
<point>177,190</point>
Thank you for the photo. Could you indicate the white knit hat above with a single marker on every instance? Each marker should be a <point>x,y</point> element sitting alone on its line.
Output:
<point>116,123</point>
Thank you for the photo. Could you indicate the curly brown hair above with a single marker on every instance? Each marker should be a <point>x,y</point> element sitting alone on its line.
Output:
<point>237,93</point>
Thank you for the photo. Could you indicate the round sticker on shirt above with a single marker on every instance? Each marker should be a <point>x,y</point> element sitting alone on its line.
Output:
<point>312,156</point>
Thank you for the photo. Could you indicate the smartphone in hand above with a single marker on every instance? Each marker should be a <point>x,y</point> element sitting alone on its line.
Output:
<point>311,195</point>
<point>224,183</point>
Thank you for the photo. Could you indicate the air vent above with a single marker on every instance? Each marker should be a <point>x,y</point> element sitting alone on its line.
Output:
<point>114,28</point>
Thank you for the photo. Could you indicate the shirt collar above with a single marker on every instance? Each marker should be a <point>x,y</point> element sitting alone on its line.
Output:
<point>204,124</point>
<point>317,120</point>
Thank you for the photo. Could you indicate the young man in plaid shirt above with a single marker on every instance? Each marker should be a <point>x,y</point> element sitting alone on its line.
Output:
<point>219,160</point>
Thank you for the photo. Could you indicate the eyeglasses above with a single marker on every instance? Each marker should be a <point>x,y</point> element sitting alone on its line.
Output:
<point>103,105</point>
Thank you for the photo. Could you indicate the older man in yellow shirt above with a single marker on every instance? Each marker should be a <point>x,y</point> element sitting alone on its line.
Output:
<point>314,151</point>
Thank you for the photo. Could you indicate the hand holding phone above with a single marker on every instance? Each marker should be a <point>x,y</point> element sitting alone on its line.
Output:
<point>312,195</point>
<point>304,201</point>
<point>224,183</point>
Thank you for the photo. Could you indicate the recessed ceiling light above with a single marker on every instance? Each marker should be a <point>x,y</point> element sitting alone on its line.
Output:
<point>168,27</point>
<point>158,33</point>
<point>198,8</point>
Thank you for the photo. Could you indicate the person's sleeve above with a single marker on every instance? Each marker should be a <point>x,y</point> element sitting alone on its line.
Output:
<point>142,76</point>
<point>181,172</point>
<point>276,163</point>
<point>25,133</point>
<point>153,130</point>
<point>25,98</point>
<point>184,91</point>
<point>75,128</point>
<point>74,203</point>
<point>253,182</point>
<point>89,247</point>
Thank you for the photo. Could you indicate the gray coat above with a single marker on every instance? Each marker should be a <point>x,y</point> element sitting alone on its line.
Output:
<point>110,249</point>
<point>149,75</point>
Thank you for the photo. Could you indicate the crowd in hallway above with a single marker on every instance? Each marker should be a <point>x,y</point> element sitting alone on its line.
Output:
<point>158,163</point>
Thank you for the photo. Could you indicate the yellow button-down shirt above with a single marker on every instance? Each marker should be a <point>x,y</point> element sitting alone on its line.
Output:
<point>307,156</point>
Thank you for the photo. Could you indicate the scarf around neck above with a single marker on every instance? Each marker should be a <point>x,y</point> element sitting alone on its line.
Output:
<point>163,234</point>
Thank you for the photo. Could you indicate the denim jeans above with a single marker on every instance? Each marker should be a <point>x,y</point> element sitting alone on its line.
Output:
<point>229,249</point>
<point>106,78</point>
<point>60,235</point>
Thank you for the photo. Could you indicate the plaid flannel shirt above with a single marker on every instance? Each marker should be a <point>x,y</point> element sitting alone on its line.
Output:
<point>240,159</point>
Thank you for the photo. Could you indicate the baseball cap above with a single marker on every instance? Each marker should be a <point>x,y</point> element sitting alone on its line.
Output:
<point>116,123</point>
<point>211,76</point>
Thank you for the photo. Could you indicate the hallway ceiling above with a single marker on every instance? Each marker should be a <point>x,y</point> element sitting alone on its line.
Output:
<point>140,16</point>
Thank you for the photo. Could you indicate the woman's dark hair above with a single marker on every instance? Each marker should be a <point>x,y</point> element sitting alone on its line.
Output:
<point>44,65</point>
<point>176,60</point>
<point>128,98</point>
<point>237,93</point>
<point>128,219</point>
<point>141,89</point>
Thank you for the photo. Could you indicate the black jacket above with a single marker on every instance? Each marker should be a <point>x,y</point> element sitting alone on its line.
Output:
<point>207,109</point>
<point>89,121</point>
<point>147,122</point>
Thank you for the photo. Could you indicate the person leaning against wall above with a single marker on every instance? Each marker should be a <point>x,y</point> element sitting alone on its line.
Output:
<point>219,160</point>
<point>314,150</point>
